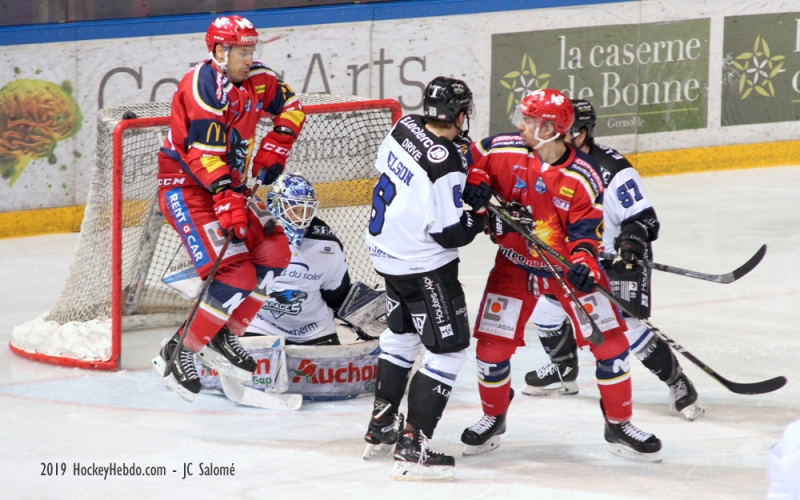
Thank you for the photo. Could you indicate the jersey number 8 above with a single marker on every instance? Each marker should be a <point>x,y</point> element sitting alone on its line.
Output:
<point>382,197</point>
<point>625,196</point>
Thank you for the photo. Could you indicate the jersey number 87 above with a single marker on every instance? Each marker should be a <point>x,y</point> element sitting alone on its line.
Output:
<point>382,196</point>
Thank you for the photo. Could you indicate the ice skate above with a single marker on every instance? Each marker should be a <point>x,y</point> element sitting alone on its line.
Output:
<point>182,378</point>
<point>683,398</point>
<point>553,378</point>
<point>384,430</point>
<point>484,435</point>
<point>414,461</point>
<point>627,440</point>
<point>226,355</point>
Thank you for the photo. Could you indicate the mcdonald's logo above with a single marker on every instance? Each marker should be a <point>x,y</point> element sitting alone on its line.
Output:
<point>217,128</point>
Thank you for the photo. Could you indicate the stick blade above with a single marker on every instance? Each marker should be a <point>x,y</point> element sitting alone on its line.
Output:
<point>749,265</point>
<point>763,387</point>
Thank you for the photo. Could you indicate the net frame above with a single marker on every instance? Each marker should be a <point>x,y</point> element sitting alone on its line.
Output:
<point>314,104</point>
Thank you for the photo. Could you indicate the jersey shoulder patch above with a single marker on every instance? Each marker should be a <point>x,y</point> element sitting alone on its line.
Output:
<point>319,230</point>
<point>437,156</point>
<point>210,88</point>
<point>610,160</point>
<point>586,167</point>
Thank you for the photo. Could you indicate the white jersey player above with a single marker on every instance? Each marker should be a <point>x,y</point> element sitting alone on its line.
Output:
<point>631,225</point>
<point>418,221</point>
<point>300,308</point>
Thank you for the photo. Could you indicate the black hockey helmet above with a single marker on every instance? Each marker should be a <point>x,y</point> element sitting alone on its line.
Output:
<point>585,117</point>
<point>445,97</point>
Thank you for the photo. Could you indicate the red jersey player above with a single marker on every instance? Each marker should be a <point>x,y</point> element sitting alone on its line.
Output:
<point>558,192</point>
<point>202,193</point>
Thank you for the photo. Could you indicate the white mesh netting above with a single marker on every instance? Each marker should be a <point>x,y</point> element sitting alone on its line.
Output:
<point>335,151</point>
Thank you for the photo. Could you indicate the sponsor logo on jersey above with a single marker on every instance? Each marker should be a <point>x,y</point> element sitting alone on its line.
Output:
<point>396,167</point>
<point>285,302</point>
<point>323,231</point>
<point>565,191</point>
<point>247,105</point>
<point>260,89</point>
<point>540,186</point>
<point>438,154</point>
<point>506,140</point>
<point>559,203</point>
<point>590,174</point>
<point>412,149</point>
<point>420,133</point>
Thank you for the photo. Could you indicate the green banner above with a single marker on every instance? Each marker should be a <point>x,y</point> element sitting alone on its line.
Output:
<point>641,78</point>
<point>761,69</point>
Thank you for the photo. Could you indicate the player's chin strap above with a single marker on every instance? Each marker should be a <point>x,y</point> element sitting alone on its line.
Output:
<point>223,66</point>
<point>542,142</point>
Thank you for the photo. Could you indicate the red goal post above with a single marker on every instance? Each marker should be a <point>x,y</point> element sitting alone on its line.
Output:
<point>113,283</point>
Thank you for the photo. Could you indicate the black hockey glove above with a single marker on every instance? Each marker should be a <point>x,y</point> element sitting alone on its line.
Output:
<point>630,246</point>
<point>499,227</point>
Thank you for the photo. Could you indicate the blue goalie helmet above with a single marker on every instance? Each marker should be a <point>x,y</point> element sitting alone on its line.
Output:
<point>294,202</point>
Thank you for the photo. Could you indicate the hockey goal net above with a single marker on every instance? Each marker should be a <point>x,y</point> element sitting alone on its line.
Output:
<point>114,281</point>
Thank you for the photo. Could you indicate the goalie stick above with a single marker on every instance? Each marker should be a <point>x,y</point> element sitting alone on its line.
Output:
<point>762,387</point>
<point>207,283</point>
<point>716,278</point>
<point>596,337</point>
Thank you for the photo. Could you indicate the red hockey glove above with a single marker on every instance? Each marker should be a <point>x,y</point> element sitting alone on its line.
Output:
<point>229,206</point>
<point>271,157</point>
<point>477,190</point>
<point>583,271</point>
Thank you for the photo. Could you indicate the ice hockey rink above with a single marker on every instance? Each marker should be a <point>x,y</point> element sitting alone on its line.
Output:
<point>554,448</point>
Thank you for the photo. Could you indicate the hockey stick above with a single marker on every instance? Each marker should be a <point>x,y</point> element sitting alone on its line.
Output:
<point>207,283</point>
<point>716,278</point>
<point>596,337</point>
<point>762,387</point>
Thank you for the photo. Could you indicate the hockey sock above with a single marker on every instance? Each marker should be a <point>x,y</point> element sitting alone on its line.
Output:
<point>204,327</point>
<point>427,399</point>
<point>659,359</point>
<point>559,344</point>
<point>392,380</point>
<point>614,383</point>
<point>494,386</point>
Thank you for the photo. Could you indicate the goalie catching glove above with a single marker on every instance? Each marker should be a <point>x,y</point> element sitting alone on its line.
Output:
<point>584,269</point>
<point>230,209</point>
<point>271,157</point>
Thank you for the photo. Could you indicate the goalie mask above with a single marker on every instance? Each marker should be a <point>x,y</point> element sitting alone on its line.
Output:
<point>446,97</point>
<point>230,31</point>
<point>585,118</point>
<point>542,107</point>
<point>294,202</point>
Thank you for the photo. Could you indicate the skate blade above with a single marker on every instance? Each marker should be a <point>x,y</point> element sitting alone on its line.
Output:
<point>693,411</point>
<point>412,471</point>
<point>562,389</point>
<point>378,451</point>
<point>220,363</point>
<point>623,451</point>
<point>492,444</point>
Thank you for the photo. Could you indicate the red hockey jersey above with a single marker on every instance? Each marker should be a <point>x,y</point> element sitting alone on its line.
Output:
<point>213,123</point>
<point>566,201</point>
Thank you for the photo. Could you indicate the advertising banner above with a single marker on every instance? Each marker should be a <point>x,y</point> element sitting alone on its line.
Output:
<point>761,69</point>
<point>641,78</point>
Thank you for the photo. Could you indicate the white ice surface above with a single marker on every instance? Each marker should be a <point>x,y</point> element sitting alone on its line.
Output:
<point>554,448</point>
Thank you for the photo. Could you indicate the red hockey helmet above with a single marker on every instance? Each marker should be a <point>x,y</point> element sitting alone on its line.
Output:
<point>551,106</point>
<point>231,30</point>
